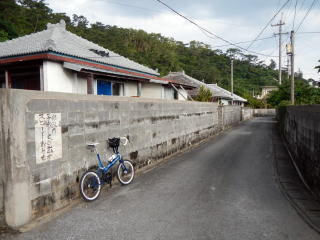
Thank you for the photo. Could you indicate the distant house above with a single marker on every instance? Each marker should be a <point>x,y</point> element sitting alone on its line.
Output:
<point>265,90</point>
<point>219,94</point>
<point>235,99</point>
<point>60,61</point>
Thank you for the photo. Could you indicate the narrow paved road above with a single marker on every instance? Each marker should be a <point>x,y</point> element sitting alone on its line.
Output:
<point>223,189</point>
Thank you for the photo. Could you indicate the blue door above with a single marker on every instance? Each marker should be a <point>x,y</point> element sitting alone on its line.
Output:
<point>104,88</point>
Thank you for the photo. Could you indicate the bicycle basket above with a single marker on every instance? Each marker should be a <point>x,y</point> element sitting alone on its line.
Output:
<point>114,142</point>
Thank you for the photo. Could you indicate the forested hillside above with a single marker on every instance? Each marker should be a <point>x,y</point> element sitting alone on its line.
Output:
<point>18,18</point>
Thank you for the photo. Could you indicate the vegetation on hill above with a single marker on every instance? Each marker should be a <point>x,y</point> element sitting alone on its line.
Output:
<point>21,17</point>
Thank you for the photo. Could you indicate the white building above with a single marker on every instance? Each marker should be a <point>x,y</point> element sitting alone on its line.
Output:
<point>219,94</point>
<point>265,90</point>
<point>60,61</point>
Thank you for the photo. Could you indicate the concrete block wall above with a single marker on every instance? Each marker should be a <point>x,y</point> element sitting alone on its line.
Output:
<point>301,128</point>
<point>247,113</point>
<point>261,112</point>
<point>155,128</point>
<point>231,115</point>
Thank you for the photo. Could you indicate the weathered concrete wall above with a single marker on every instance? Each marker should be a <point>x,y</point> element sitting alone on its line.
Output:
<point>2,171</point>
<point>156,128</point>
<point>231,115</point>
<point>301,128</point>
<point>247,113</point>
<point>264,112</point>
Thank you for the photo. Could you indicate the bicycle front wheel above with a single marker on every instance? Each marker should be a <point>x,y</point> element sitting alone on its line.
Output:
<point>90,186</point>
<point>125,172</point>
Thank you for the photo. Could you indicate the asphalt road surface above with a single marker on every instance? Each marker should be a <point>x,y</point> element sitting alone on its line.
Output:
<point>222,189</point>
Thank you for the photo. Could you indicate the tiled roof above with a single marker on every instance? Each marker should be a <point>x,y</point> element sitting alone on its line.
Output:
<point>182,78</point>
<point>57,39</point>
<point>235,97</point>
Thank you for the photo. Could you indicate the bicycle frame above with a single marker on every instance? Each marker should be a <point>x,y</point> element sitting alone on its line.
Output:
<point>105,169</point>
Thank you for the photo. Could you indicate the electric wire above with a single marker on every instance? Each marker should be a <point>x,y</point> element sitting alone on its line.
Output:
<point>287,12</point>
<point>209,32</point>
<point>295,13</point>
<point>225,45</point>
<point>301,6</point>
<point>268,23</point>
<point>306,15</point>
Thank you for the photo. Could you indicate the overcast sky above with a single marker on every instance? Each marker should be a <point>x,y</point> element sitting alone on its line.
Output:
<point>233,20</point>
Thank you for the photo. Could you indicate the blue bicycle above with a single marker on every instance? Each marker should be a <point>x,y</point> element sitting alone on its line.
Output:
<point>91,181</point>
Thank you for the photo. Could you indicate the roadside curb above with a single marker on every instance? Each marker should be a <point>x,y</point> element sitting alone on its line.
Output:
<point>292,185</point>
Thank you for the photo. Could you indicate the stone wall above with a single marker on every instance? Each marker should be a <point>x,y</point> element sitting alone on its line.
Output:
<point>40,180</point>
<point>300,126</point>
<point>261,112</point>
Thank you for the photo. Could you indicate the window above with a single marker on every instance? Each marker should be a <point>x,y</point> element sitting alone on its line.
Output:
<point>110,88</point>
<point>117,89</point>
<point>25,78</point>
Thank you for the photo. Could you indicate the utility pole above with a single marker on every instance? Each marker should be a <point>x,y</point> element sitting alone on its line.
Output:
<point>280,24</point>
<point>232,80</point>
<point>292,66</point>
<point>288,67</point>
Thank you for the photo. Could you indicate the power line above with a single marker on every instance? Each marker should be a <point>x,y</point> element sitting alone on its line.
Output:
<point>287,13</point>
<point>209,32</point>
<point>295,12</point>
<point>305,16</point>
<point>301,6</point>
<point>243,42</point>
<point>268,23</point>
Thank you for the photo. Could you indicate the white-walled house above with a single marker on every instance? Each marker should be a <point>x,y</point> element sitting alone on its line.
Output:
<point>219,94</point>
<point>60,61</point>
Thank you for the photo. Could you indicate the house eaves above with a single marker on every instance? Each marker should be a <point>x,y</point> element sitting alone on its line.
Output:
<point>84,68</point>
<point>56,39</point>
<point>97,66</point>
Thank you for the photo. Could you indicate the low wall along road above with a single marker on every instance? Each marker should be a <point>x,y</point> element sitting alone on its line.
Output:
<point>43,139</point>
<point>300,126</point>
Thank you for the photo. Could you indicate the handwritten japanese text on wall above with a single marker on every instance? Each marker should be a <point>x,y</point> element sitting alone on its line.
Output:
<point>48,137</point>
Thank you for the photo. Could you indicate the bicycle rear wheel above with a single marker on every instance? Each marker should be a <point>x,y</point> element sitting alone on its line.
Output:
<point>90,186</point>
<point>125,172</point>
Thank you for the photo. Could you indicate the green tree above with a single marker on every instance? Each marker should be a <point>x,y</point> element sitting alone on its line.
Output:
<point>304,94</point>
<point>254,102</point>
<point>204,95</point>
